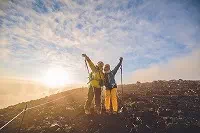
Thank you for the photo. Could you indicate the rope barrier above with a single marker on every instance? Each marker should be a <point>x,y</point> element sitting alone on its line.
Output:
<point>24,110</point>
<point>11,120</point>
<point>45,103</point>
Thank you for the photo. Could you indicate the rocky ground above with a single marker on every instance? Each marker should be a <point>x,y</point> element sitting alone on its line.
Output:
<point>157,107</point>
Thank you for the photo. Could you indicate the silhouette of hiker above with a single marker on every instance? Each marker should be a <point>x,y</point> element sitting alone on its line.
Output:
<point>111,87</point>
<point>95,83</point>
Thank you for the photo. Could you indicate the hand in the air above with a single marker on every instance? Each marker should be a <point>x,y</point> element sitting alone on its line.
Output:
<point>121,58</point>
<point>84,55</point>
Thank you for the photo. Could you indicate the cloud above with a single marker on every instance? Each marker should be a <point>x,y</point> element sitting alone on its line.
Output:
<point>4,54</point>
<point>42,34</point>
<point>185,67</point>
<point>3,42</point>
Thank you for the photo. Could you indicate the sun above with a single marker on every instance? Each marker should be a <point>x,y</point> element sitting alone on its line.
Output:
<point>56,77</point>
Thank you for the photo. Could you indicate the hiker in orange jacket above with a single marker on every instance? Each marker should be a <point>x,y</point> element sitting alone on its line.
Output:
<point>111,87</point>
<point>96,78</point>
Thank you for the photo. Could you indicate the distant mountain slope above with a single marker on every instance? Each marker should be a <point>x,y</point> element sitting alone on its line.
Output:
<point>159,106</point>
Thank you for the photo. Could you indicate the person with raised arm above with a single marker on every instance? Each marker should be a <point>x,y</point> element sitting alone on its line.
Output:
<point>111,87</point>
<point>96,78</point>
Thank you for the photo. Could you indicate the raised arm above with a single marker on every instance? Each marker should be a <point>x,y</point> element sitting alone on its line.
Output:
<point>114,71</point>
<point>91,64</point>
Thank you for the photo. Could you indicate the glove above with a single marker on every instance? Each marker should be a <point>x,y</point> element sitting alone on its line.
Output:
<point>121,59</point>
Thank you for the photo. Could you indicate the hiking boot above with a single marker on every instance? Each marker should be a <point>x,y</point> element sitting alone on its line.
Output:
<point>87,112</point>
<point>108,112</point>
<point>115,112</point>
<point>98,112</point>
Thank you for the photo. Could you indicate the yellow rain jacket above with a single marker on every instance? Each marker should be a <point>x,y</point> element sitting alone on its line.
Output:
<point>96,77</point>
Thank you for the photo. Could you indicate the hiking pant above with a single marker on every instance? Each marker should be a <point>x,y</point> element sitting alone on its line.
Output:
<point>93,92</point>
<point>111,96</point>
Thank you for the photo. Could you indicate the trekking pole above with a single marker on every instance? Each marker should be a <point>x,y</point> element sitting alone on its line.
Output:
<point>122,91</point>
<point>87,66</point>
<point>122,83</point>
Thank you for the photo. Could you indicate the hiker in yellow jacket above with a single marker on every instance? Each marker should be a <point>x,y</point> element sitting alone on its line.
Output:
<point>95,83</point>
<point>111,87</point>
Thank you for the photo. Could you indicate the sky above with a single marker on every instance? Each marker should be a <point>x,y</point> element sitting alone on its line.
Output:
<point>158,39</point>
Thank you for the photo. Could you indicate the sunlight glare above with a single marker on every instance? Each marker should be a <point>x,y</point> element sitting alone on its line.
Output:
<point>56,77</point>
